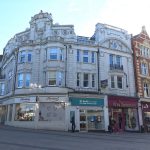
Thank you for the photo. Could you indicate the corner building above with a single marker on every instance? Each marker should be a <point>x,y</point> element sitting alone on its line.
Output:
<point>49,74</point>
<point>43,70</point>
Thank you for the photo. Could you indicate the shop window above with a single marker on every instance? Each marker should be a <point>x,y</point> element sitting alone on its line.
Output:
<point>51,111</point>
<point>131,119</point>
<point>25,112</point>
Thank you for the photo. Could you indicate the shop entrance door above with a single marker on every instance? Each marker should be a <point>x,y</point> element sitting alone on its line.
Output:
<point>119,124</point>
<point>83,120</point>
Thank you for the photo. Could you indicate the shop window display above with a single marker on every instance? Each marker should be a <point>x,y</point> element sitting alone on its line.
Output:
<point>147,121</point>
<point>91,120</point>
<point>25,112</point>
<point>131,118</point>
<point>51,111</point>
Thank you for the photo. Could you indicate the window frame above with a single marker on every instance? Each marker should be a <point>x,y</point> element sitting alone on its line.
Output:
<point>85,81</point>
<point>120,82</point>
<point>85,56</point>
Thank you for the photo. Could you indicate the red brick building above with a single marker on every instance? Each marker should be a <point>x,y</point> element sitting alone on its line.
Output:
<point>141,54</point>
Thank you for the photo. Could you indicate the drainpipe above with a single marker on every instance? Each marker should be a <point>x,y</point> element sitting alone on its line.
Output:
<point>15,71</point>
<point>98,70</point>
<point>66,67</point>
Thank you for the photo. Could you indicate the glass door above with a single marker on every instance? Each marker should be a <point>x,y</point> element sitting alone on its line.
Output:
<point>83,120</point>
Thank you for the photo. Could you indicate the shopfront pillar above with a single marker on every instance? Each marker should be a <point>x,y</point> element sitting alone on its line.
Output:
<point>106,114</point>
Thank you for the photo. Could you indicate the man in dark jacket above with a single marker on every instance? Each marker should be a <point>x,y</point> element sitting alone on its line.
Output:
<point>73,123</point>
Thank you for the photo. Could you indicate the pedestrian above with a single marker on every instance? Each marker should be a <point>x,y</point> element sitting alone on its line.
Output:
<point>73,123</point>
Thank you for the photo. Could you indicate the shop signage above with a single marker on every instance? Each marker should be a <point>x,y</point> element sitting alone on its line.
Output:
<point>86,101</point>
<point>104,83</point>
<point>145,106</point>
<point>25,100</point>
<point>122,102</point>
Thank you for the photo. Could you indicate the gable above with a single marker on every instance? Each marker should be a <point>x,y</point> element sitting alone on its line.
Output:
<point>116,44</point>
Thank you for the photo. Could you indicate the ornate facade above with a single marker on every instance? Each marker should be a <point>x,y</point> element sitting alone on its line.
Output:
<point>49,74</point>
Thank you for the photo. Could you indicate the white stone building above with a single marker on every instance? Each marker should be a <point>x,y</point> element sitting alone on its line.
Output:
<point>42,67</point>
<point>116,75</point>
<point>49,74</point>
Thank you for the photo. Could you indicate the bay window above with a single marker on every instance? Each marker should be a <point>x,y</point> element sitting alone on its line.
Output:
<point>78,55</point>
<point>119,82</point>
<point>85,80</point>
<point>93,80</point>
<point>112,81</point>
<point>2,88</point>
<point>28,78</point>
<point>52,78</point>
<point>85,57</point>
<point>93,57</point>
<point>55,78</point>
<point>24,80</point>
<point>20,80</point>
<point>146,90</point>
<point>144,69</point>
<point>78,79</point>
<point>24,56</point>
<point>116,82</point>
<point>55,54</point>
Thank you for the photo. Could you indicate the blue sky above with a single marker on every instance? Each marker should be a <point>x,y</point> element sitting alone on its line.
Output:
<point>83,14</point>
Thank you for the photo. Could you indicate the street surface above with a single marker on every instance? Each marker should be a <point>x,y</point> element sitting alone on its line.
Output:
<point>27,139</point>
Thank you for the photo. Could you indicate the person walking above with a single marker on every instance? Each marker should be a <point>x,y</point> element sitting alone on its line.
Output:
<point>73,123</point>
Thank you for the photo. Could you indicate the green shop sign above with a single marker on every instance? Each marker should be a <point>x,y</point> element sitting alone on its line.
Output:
<point>86,101</point>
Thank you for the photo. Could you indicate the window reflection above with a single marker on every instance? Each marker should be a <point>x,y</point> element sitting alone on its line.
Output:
<point>25,112</point>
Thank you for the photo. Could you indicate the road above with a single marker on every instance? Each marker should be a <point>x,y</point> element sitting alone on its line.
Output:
<point>27,139</point>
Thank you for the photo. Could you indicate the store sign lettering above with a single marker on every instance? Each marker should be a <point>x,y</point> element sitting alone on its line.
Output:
<point>122,104</point>
<point>86,102</point>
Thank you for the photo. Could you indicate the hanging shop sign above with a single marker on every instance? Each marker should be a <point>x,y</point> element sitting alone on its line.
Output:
<point>145,106</point>
<point>86,101</point>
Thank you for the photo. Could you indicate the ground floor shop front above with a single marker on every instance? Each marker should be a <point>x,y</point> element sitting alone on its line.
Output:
<point>123,113</point>
<point>42,112</point>
<point>90,113</point>
<point>145,107</point>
